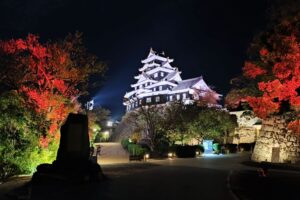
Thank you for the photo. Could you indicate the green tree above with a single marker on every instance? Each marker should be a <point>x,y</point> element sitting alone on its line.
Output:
<point>51,75</point>
<point>211,123</point>
<point>150,117</point>
<point>40,86</point>
<point>177,118</point>
<point>97,118</point>
<point>19,139</point>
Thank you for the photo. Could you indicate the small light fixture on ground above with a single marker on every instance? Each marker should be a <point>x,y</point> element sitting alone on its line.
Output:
<point>146,156</point>
<point>170,155</point>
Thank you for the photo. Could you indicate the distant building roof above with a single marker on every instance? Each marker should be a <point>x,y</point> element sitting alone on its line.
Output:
<point>187,83</point>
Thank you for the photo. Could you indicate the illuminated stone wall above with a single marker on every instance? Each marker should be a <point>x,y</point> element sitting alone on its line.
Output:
<point>243,135</point>
<point>273,136</point>
<point>247,130</point>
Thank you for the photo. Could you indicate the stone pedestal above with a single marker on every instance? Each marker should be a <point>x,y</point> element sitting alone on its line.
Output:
<point>276,143</point>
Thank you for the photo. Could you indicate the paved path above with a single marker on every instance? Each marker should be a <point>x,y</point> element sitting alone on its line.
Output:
<point>184,179</point>
<point>206,178</point>
<point>112,153</point>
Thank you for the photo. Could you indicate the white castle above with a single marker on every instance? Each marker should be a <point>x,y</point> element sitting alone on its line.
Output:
<point>159,83</point>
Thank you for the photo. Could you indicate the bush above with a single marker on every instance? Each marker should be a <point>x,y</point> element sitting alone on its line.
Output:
<point>162,147</point>
<point>200,148</point>
<point>246,146</point>
<point>186,151</point>
<point>7,170</point>
<point>217,148</point>
<point>136,150</point>
<point>232,148</point>
<point>125,143</point>
<point>97,138</point>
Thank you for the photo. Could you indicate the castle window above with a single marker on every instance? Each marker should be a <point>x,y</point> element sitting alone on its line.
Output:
<point>140,101</point>
<point>157,99</point>
<point>154,89</point>
<point>184,96</point>
<point>160,87</point>
<point>148,100</point>
<point>161,73</point>
<point>171,98</point>
<point>178,96</point>
<point>155,75</point>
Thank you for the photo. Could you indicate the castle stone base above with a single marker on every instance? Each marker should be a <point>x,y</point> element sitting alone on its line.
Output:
<point>276,143</point>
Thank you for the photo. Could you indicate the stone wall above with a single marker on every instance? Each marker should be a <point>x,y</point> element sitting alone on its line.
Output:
<point>247,130</point>
<point>276,143</point>
<point>243,135</point>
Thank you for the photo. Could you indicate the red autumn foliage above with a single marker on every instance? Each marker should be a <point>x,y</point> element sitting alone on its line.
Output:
<point>264,52</point>
<point>44,141</point>
<point>271,76</point>
<point>280,69</point>
<point>295,126</point>
<point>263,106</point>
<point>47,80</point>
<point>252,71</point>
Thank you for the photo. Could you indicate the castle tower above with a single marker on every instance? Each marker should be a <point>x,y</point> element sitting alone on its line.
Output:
<point>158,83</point>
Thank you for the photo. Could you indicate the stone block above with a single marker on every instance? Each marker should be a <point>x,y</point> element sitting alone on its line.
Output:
<point>293,139</point>
<point>288,144</point>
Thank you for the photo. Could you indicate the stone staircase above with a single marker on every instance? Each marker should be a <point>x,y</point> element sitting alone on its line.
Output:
<point>112,153</point>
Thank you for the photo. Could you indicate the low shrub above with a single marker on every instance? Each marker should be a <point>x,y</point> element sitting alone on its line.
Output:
<point>125,142</point>
<point>200,148</point>
<point>246,146</point>
<point>136,150</point>
<point>231,148</point>
<point>217,148</point>
<point>186,151</point>
<point>7,170</point>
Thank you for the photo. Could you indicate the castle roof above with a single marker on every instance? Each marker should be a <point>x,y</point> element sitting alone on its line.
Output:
<point>173,76</point>
<point>154,56</point>
<point>189,83</point>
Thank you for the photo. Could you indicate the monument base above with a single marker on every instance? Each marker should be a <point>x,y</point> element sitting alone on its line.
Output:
<point>72,172</point>
<point>73,161</point>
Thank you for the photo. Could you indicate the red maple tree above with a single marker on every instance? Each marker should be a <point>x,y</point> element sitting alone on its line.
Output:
<point>274,71</point>
<point>50,75</point>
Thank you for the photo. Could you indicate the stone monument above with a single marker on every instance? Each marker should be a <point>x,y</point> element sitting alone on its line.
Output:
<point>73,163</point>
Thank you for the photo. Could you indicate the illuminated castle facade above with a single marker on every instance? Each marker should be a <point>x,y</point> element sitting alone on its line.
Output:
<point>158,83</point>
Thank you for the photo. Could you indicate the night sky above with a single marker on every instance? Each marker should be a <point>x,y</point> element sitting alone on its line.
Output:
<point>208,38</point>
